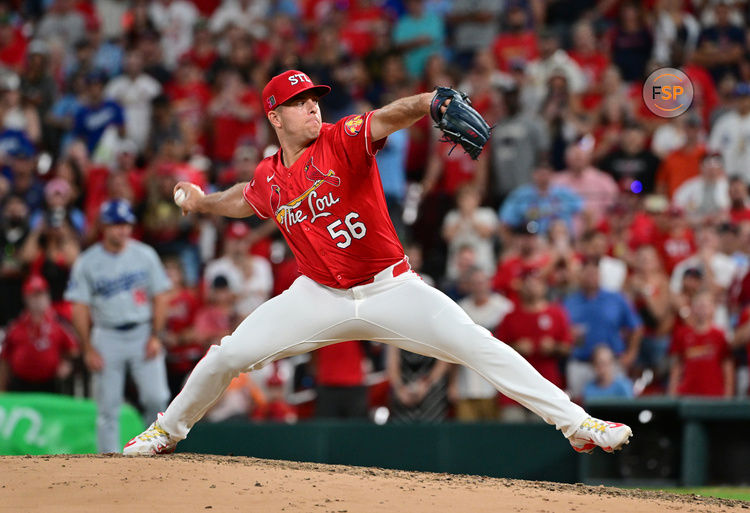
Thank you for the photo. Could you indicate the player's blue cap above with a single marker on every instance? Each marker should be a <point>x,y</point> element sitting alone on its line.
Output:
<point>117,212</point>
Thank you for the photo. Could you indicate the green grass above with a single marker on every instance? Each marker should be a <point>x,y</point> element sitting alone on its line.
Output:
<point>724,492</point>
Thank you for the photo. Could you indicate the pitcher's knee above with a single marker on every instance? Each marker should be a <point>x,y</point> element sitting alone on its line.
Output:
<point>229,358</point>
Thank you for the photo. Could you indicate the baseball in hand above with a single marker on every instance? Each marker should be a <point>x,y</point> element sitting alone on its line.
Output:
<point>179,197</point>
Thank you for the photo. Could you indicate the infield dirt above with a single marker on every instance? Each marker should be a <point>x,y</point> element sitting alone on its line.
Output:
<point>190,482</point>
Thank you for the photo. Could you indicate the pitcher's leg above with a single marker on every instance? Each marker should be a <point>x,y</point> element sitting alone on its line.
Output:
<point>422,319</point>
<point>303,318</point>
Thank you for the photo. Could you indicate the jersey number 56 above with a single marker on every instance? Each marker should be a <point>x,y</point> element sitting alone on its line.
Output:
<point>355,228</point>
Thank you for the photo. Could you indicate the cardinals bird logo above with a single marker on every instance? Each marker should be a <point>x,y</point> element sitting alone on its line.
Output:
<point>312,173</point>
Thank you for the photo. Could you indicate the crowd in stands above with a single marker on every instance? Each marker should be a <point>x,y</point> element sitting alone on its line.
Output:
<point>610,247</point>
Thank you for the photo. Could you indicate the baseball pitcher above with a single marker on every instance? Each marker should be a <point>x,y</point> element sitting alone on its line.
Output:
<point>323,190</point>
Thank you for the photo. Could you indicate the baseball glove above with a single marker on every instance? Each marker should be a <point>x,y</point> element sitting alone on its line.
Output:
<point>460,123</point>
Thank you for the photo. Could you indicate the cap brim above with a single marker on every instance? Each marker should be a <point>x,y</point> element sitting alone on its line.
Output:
<point>320,90</point>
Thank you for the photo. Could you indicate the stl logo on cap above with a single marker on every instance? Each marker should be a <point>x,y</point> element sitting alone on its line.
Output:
<point>353,125</point>
<point>299,77</point>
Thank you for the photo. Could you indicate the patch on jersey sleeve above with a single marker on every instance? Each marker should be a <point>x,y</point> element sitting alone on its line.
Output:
<point>354,125</point>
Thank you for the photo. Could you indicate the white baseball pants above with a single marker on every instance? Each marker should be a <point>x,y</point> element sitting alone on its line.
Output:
<point>400,310</point>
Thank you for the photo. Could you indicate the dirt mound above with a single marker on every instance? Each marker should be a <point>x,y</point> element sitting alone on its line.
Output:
<point>191,482</point>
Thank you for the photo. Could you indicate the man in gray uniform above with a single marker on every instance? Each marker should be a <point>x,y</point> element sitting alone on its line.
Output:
<point>117,288</point>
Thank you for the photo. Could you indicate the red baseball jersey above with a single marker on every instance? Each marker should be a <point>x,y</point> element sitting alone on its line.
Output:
<point>330,205</point>
<point>702,355</point>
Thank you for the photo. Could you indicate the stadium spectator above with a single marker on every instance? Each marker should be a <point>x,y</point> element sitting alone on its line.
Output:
<point>726,134</point>
<point>37,83</point>
<point>62,21</point>
<point>593,61</point>
<point>235,116</point>
<point>217,318</point>
<point>525,252</point>
<point>14,229</point>
<point>516,44</point>
<point>59,206</point>
<point>37,348</point>
<point>475,396</point>
<point>673,236</point>
<point>608,383</point>
<point>97,114</point>
<point>53,245</point>
<point>474,27</point>
<point>134,90</point>
<point>419,387</point>
<point>720,46</point>
<point>466,261</point>
<point>163,225</point>
<point>174,19</point>
<point>275,408</point>
<point>339,376</point>
<point>539,331</point>
<point>612,271</point>
<point>648,286</point>
<point>13,44</point>
<point>702,363</point>
<point>540,202</point>
<point>247,14</point>
<point>392,165</point>
<point>675,30</point>
<point>598,190</point>
<point>683,163</point>
<point>518,142</point>
<point>418,34</point>
<point>183,350</point>
<point>718,269</point>
<point>24,181</point>
<point>552,62</point>
<point>705,196</point>
<point>249,276</point>
<point>631,42</point>
<point>473,225</point>
<point>599,317</point>
<point>633,165</point>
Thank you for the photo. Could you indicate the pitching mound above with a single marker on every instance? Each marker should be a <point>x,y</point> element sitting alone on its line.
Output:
<point>189,482</point>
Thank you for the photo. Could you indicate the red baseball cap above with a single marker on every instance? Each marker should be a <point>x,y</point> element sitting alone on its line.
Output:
<point>35,283</point>
<point>286,85</point>
<point>237,230</point>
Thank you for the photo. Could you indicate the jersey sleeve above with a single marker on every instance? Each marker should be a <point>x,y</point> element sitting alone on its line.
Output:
<point>352,135</point>
<point>256,195</point>
<point>79,288</point>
